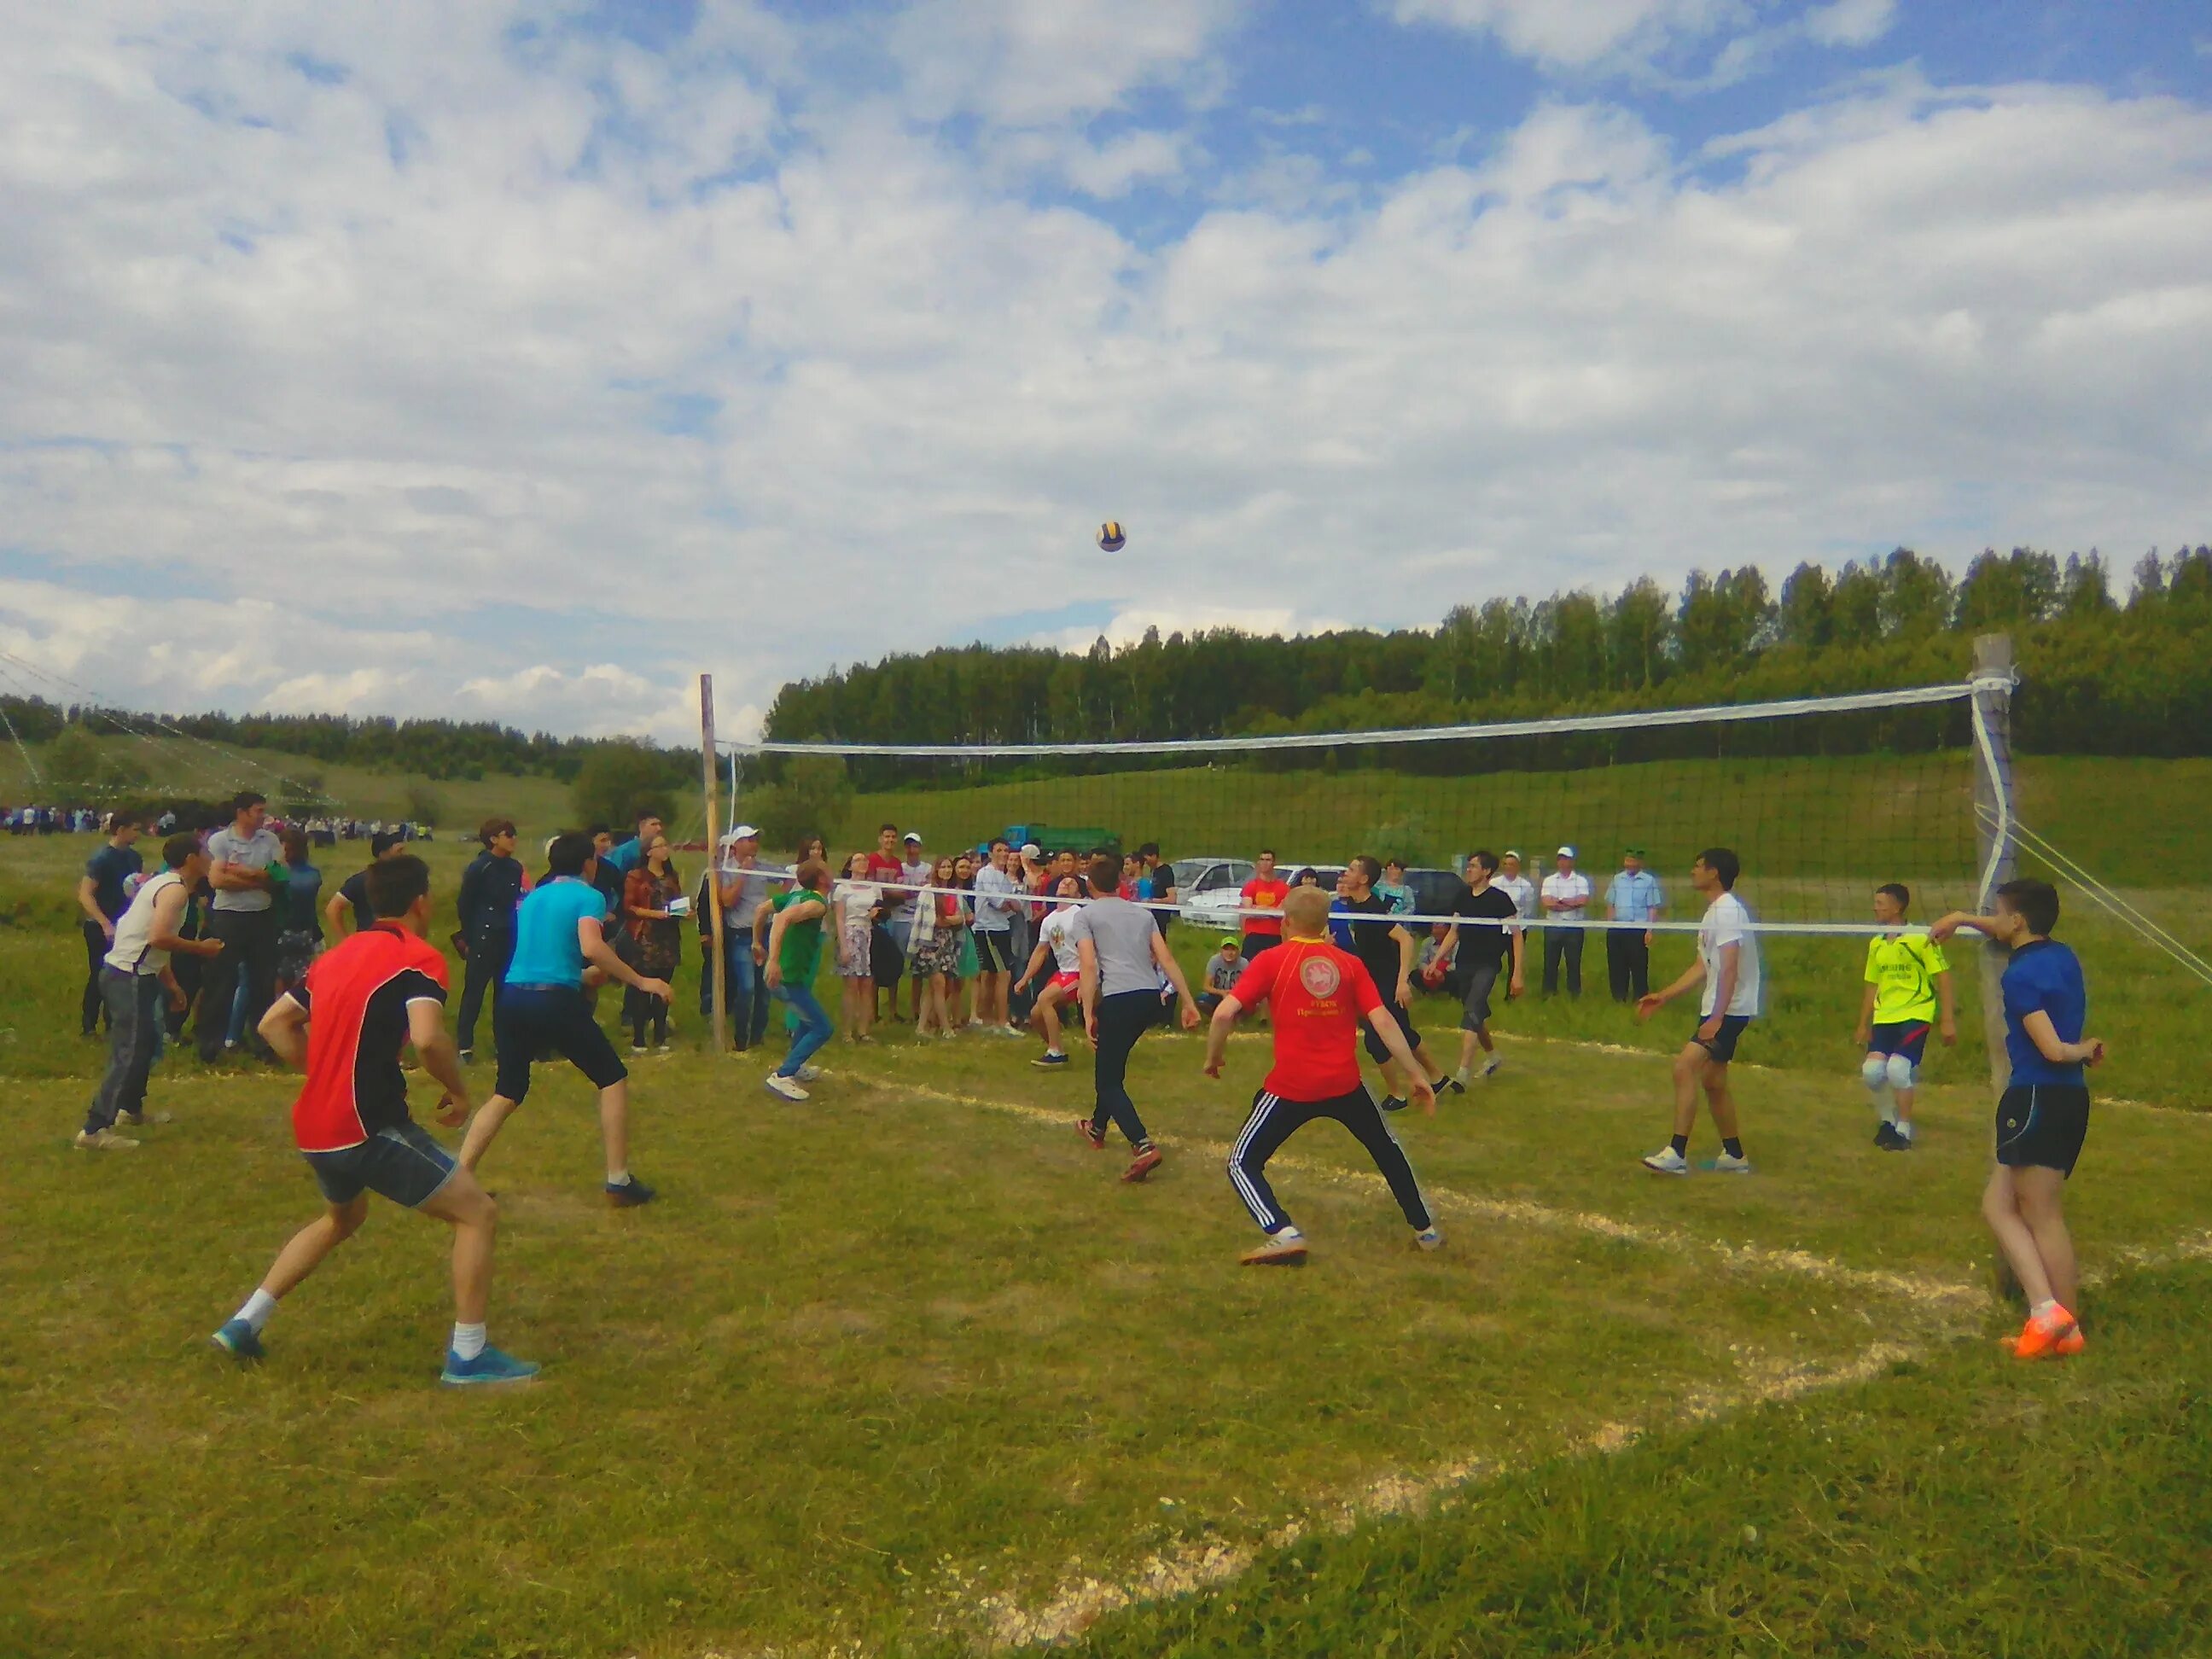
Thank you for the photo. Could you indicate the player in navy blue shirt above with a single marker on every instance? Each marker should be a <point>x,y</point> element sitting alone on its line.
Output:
<point>2043,1114</point>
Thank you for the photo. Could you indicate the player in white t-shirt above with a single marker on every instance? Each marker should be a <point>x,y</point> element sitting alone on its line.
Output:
<point>1727,967</point>
<point>1057,945</point>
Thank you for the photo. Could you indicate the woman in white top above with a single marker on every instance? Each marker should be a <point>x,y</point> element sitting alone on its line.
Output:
<point>853,911</point>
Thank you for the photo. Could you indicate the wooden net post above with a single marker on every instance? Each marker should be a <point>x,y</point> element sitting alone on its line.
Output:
<point>710,782</point>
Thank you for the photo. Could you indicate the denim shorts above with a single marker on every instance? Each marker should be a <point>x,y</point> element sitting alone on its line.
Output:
<point>402,1163</point>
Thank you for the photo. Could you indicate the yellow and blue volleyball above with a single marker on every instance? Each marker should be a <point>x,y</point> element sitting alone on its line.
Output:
<point>1110,537</point>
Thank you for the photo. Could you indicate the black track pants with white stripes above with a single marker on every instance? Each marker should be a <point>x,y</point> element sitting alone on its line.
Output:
<point>1274,1121</point>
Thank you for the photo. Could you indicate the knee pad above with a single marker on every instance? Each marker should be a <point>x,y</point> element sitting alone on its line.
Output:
<point>1901,1072</point>
<point>1876,1072</point>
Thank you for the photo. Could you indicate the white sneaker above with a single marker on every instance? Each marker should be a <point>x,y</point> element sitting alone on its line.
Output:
<point>1462,1077</point>
<point>1668,1161</point>
<point>1490,1067</point>
<point>107,1140</point>
<point>1726,1165</point>
<point>1430,1240</point>
<point>809,1071</point>
<point>789,1087</point>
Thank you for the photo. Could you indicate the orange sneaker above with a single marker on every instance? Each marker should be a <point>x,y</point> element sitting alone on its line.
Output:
<point>2069,1344</point>
<point>2041,1336</point>
<point>1143,1164</point>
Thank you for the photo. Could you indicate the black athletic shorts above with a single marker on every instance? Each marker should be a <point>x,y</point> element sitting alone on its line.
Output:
<point>1907,1037</point>
<point>2042,1125</point>
<point>402,1163</point>
<point>535,1022</point>
<point>1376,1051</point>
<point>993,951</point>
<point>1721,1049</point>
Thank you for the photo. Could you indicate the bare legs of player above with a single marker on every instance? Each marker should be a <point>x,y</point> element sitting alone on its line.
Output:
<point>2024,1209</point>
<point>614,1127</point>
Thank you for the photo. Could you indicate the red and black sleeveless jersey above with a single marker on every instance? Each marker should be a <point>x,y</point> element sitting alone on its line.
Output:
<point>357,996</point>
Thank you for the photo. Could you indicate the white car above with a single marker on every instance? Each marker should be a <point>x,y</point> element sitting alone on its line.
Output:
<point>1209,889</point>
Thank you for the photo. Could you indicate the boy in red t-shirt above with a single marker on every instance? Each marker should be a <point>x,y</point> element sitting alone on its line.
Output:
<point>1265,891</point>
<point>1319,995</point>
<point>362,1000</point>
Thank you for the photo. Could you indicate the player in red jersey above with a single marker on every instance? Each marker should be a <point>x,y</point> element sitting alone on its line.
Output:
<point>362,1000</point>
<point>1318,996</point>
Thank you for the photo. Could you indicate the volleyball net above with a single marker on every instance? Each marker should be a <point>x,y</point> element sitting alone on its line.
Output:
<point>1822,800</point>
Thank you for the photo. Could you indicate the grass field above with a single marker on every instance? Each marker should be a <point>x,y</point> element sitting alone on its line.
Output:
<point>909,1370</point>
<point>906,1372</point>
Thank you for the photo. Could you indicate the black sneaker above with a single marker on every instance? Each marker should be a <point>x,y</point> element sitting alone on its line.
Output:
<point>1897,1143</point>
<point>1449,1085</point>
<point>1887,1138</point>
<point>1392,1103</point>
<point>631,1193</point>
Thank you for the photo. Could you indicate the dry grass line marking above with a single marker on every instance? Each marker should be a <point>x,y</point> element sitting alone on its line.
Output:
<point>1081,1602</point>
<point>1754,1258</point>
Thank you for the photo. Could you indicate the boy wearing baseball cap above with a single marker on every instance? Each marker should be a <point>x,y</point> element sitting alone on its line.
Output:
<point>1222,970</point>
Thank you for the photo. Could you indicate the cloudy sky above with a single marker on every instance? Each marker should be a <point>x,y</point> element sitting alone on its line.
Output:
<point>521,360</point>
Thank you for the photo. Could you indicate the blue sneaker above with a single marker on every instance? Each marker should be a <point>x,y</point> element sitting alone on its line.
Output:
<point>631,1193</point>
<point>489,1367</point>
<point>238,1339</point>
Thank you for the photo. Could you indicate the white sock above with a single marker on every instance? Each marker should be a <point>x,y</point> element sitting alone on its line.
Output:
<point>468,1341</point>
<point>2042,1307</point>
<point>1904,1130</point>
<point>618,1178</point>
<point>1286,1233</point>
<point>258,1308</point>
<point>1054,1050</point>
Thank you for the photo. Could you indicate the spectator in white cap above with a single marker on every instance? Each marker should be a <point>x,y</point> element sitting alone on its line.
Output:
<point>1509,880</point>
<point>1565,897</point>
<point>913,876</point>
<point>744,883</point>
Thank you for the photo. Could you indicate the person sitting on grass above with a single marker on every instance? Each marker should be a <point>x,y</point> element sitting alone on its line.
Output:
<point>1056,944</point>
<point>2043,1117</point>
<point>382,987</point>
<point>1906,979</point>
<point>1222,970</point>
<point>794,956</point>
<point>560,947</point>
<point>1321,995</point>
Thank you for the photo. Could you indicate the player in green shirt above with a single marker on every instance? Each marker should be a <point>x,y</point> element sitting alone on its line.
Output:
<point>1907,981</point>
<point>794,956</point>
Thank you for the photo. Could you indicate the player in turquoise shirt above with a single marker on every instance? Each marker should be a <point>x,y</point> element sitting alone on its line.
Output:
<point>541,1010</point>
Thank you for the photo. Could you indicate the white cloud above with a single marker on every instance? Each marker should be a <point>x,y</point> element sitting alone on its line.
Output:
<point>588,380</point>
<point>1849,22</point>
<point>1654,40</point>
<point>1585,33</point>
<point>1018,63</point>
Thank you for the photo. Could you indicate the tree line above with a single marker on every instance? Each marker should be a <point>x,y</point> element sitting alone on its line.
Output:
<point>2100,674</point>
<point>438,749</point>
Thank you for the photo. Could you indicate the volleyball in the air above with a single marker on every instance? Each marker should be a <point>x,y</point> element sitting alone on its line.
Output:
<point>1110,537</point>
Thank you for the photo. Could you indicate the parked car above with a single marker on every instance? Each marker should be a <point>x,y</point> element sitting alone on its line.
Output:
<point>1209,888</point>
<point>1433,891</point>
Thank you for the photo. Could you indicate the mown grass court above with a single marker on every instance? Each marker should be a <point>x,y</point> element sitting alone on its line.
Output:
<point>907,1370</point>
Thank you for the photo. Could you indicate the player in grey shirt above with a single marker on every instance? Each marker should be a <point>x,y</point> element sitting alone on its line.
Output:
<point>1127,970</point>
<point>239,860</point>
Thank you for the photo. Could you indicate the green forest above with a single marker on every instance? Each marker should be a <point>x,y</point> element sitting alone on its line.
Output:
<point>2101,674</point>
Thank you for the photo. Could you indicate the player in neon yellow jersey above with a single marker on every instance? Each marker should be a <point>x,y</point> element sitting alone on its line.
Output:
<point>1908,982</point>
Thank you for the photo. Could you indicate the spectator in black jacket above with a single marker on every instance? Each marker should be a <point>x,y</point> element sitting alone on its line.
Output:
<point>491,888</point>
